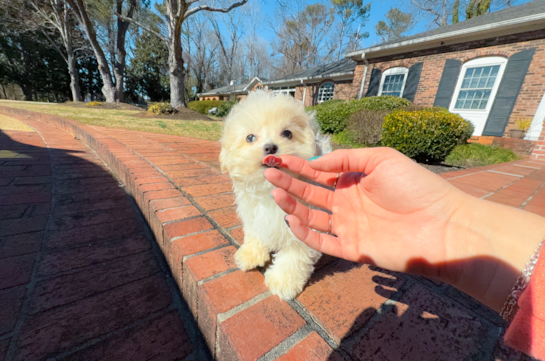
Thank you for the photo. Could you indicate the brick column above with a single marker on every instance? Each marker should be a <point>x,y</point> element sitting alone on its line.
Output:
<point>539,149</point>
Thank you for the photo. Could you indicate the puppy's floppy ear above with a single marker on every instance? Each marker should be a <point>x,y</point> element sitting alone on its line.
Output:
<point>223,160</point>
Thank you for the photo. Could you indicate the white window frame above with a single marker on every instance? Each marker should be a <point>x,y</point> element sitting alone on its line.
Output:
<point>394,71</point>
<point>319,100</point>
<point>478,116</point>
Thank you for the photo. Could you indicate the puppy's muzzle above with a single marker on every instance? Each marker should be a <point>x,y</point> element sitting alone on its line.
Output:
<point>270,148</point>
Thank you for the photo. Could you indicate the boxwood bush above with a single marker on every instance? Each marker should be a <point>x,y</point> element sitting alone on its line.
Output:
<point>161,108</point>
<point>332,116</point>
<point>427,135</point>
<point>225,108</point>
<point>204,106</point>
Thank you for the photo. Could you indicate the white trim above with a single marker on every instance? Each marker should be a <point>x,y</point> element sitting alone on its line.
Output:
<point>491,28</point>
<point>537,123</point>
<point>394,71</point>
<point>323,86</point>
<point>297,81</point>
<point>478,117</point>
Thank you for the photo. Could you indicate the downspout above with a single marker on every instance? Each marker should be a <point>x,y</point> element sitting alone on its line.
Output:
<point>304,92</point>
<point>364,75</point>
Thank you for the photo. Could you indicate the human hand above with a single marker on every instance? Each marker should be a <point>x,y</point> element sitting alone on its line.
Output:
<point>386,209</point>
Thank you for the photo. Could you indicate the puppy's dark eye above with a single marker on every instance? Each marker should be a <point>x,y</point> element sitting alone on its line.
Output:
<point>286,134</point>
<point>250,138</point>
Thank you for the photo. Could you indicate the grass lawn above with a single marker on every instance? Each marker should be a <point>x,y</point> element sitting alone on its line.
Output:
<point>125,119</point>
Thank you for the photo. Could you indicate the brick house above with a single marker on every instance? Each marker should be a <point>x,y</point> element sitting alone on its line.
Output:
<point>232,91</point>
<point>489,69</point>
<point>315,85</point>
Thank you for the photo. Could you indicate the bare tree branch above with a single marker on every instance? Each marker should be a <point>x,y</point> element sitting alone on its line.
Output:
<point>146,28</point>
<point>208,8</point>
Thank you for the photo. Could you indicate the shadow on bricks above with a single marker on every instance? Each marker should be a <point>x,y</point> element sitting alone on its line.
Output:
<point>421,319</point>
<point>81,277</point>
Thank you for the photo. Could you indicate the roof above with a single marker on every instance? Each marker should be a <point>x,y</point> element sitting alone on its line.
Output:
<point>342,67</point>
<point>229,89</point>
<point>517,19</point>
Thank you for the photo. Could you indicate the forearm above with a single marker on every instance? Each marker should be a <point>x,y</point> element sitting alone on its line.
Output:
<point>487,247</point>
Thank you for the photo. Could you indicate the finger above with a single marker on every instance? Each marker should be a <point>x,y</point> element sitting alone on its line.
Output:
<point>314,219</point>
<point>354,160</point>
<point>322,242</point>
<point>301,166</point>
<point>315,195</point>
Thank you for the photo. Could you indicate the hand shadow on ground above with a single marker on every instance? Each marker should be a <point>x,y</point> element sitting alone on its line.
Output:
<point>423,321</point>
<point>80,263</point>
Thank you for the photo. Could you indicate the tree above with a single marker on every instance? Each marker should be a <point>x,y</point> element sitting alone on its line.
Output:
<point>397,23</point>
<point>477,8</point>
<point>112,91</point>
<point>303,36</point>
<point>350,11</point>
<point>174,13</point>
<point>147,74</point>
<point>455,12</point>
<point>438,9</point>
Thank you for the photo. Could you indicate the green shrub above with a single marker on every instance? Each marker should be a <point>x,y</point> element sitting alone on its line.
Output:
<point>204,106</point>
<point>332,101</point>
<point>346,138</point>
<point>225,108</point>
<point>161,108</point>
<point>475,155</point>
<point>427,135</point>
<point>365,126</point>
<point>333,116</point>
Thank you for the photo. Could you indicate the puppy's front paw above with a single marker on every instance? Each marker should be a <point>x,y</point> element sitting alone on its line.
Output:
<point>282,284</point>
<point>251,255</point>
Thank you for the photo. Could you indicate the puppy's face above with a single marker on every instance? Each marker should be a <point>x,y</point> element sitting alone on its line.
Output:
<point>260,125</point>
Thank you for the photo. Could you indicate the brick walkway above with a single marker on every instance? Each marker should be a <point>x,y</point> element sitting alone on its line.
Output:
<point>80,279</point>
<point>347,312</point>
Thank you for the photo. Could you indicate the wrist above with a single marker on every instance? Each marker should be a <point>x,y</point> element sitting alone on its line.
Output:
<point>487,245</point>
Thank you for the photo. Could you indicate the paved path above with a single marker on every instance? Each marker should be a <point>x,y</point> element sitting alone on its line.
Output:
<point>347,312</point>
<point>81,278</point>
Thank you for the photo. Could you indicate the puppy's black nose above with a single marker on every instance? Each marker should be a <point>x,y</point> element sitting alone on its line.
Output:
<point>270,148</point>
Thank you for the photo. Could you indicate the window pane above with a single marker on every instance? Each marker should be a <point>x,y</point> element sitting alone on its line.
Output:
<point>324,93</point>
<point>476,87</point>
<point>393,84</point>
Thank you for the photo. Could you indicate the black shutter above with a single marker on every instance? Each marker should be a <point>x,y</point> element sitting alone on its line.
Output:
<point>447,83</point>
<point>374,83</point>
<point>508,91</point>
<point>412,81</point>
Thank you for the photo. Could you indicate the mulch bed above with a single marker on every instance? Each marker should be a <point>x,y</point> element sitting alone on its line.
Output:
<point>183,114</point>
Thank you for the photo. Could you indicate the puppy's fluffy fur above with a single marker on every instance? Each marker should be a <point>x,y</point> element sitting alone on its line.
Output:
<point>267,117</point>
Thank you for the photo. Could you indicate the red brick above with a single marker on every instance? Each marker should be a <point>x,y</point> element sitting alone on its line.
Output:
<point>151,180</point>
<point>53,262</point>
<point>215,179</point>
<point>200,267</point>
<point>311,348</point>
<point>78,220</point>
<point>15,211</point>
<point>183,228</point>
<point>186,246</point>
<point>163,338</point>
<point>31,198</point>
<point>418,317</point>
<point>217,201</point>
<point>16,271</point>
<point>204,190</point>
<point>64,289</point>
<point>160,204</point>
<point>179,213</point>
<point>254,331</point>
<point>4,346</point>
<point>45,333</point>
<point>122,203</point>
<point>11,301</point>
<point>238,234</point>
<point>226,217</point>
<point>186,182</point>
<point>212,300</point>
<point>156,187</point>
<point>21,244</point>
<point>341,316</point>
<point>170,193</point>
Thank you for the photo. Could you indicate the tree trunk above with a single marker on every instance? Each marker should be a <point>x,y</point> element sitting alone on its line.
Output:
<point>74,77</point>
<point>121,54</point>
<point>177,71</point>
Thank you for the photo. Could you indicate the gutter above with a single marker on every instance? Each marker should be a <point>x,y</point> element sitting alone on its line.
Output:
<point>473,30</point>
<point>364,74</point>
<point>296,80</point>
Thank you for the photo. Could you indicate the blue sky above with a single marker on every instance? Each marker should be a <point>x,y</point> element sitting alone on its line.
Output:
<point>378,11</point>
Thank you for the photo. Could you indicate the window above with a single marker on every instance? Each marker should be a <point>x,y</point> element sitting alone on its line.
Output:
<point>288,90</point>
<point>258,87</point>
<point>326,92</point>
<point>476,89</point>
<point>393,82</point>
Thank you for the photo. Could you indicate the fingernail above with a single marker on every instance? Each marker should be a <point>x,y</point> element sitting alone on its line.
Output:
<point>316,157</point>
<point>287,223</point>
<point>271,194</point>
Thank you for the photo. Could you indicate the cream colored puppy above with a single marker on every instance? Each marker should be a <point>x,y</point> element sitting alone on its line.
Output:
<point>258,126</point>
